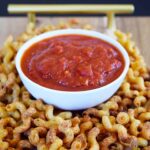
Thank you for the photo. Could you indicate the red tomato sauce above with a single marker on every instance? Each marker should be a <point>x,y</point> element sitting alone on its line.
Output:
<point>72,63</point>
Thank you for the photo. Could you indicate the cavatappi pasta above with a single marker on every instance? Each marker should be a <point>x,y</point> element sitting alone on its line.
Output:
<point>123,122</point>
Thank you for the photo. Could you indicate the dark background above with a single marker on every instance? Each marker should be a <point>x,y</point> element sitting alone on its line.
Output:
<point>142,7</point>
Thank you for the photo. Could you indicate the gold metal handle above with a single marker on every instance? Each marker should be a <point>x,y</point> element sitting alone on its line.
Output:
<point>109,9</point>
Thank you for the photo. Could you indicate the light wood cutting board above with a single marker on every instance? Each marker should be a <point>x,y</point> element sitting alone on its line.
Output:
<point>138,26</point>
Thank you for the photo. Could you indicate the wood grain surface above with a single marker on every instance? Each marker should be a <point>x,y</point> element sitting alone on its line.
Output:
<point>138,26</point>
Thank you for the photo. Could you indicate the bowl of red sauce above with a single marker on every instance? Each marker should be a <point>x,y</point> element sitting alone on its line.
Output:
<point>73,68</point>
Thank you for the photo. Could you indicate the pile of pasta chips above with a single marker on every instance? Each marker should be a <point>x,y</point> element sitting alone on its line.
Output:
<point>122,122</point>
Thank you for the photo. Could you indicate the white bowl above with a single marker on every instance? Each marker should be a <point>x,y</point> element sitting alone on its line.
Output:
<point>70,100</point>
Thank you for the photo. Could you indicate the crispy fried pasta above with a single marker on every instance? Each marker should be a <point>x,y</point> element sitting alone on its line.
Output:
<point>121,123</point>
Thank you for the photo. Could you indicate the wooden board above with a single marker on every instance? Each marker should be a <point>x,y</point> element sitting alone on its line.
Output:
<point>138,26</point>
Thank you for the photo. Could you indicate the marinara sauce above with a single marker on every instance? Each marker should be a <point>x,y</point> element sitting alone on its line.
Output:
<point>72,62</point>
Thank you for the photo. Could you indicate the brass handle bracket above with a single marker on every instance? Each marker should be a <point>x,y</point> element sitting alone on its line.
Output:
<point>109,9</point>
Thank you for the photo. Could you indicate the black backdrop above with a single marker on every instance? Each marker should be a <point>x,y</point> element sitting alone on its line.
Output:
<point>142,7</point>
